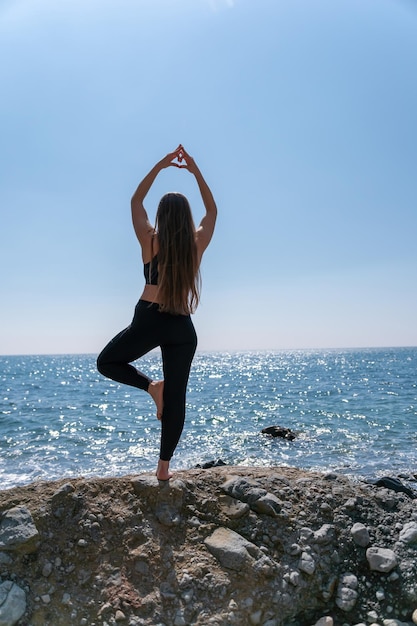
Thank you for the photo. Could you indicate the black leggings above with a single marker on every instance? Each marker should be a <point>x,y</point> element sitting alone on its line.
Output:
<point>176,336</point>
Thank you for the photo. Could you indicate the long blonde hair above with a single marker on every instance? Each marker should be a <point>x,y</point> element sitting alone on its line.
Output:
<point>178,266</point>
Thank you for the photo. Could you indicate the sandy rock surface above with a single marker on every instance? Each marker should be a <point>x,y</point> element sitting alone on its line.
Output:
<point>221,546</point>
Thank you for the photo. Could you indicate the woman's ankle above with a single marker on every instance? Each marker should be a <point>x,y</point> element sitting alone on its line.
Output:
<point>162,472</point>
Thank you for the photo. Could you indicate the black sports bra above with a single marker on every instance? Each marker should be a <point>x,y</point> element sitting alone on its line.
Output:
<point>150,271</point>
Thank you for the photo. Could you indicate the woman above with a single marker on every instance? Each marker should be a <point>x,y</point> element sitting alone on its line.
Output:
<point>171,253</point>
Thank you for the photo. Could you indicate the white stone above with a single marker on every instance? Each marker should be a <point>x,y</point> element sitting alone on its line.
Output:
<point>360,535</point>
<point>380,595</point>
<point>347,595</point>
<point>231,549</point>
<point>346,598</point>
<point>325,621</point>
<point>306,563</point>
<point>372,616</point>
<point>409,533</point>
<point>381,559</point>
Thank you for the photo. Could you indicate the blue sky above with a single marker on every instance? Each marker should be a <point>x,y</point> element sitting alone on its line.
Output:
<point>302,117</point>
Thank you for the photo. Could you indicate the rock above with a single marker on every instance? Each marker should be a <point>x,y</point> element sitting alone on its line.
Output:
<point>259,499</point>
<point>64,501</point>
<point>408,534</point>
<point>47,569</point>
<point>66,598</point>
<point>233,508</point>
<point>231,549</point>
<point>360,535</point>
<point>12,603</point>
<point>381,559</point>
<point>267,504</point>
<point>209,464</point>
<point>279,431</point>
<point>18,532</point>
<point>324,535</point>
<point>306,563</point>
<point>119,616</point>
<point>396,485</point>
<point>165,499</point>
<point>380,595</point>
<point>325,621</point>
<point>146,486</point>
<point>372,616</point>
<point>5,559</point>
<point>346,592</point>
<point>64,490</point>
<point>255,618</point>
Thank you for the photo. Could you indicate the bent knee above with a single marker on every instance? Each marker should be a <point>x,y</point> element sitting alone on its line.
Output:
<point>102,364</point>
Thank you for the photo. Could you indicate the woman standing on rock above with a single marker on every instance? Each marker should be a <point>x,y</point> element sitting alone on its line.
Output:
<point>171,253</point>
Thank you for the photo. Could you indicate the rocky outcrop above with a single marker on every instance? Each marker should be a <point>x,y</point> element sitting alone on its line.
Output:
<point>223,546</point>
<point>279,431</point>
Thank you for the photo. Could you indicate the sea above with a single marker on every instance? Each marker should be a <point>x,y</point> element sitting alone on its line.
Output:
<point>354,412</point>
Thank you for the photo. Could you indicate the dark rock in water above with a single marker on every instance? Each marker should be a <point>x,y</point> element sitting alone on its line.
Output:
<point>396,485</point>
<point>209,464</point>
<point>279,431</point>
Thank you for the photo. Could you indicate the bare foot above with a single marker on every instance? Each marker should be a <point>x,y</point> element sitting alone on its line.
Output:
<point>156,390</point>
<point>163,473</point>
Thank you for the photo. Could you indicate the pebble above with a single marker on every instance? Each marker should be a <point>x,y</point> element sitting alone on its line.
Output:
<point>119,616</point>
<point>12,603</point>
<point>380,595</point>
<point>47,569</point>
<point>408,534</point>
<point>360,535</point>
<point>372,616</point>
<point>381,559</point>
<point>325,621</point>
<point>5,559</point>
<point>346,592</point>
<point>307,563</point>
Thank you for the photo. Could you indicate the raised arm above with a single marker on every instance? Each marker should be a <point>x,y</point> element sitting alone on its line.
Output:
<point>207,224</point>
<point>143,228</point>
